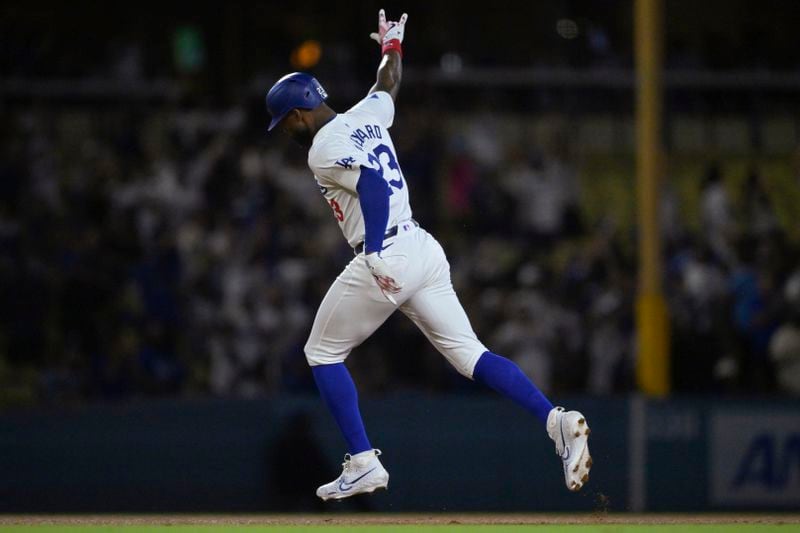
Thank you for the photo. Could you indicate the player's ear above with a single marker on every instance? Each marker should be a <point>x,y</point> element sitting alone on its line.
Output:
<point>296,115</point>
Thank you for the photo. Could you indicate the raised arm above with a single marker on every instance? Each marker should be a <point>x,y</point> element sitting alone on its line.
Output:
<point>390,70</point>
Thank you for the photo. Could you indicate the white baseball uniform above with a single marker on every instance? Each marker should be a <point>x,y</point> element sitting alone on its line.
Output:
<point>354,306</point>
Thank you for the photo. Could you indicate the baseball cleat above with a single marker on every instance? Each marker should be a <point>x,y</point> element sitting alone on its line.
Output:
<point>361,473</point>
<point>570,432</point>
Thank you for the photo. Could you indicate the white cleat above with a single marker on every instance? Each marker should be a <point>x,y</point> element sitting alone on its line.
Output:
<point>570,432</point>
<point>361,473</point>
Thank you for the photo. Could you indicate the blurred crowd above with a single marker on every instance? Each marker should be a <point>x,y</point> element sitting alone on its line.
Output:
<point>734,293</point>
<point>162,251</point>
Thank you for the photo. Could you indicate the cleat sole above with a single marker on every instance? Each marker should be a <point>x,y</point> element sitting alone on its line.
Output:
<point>376,489</point>
<point>340,497</point>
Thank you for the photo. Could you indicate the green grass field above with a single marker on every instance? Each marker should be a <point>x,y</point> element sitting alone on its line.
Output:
<point>484,528</point>
<point>404,523</point>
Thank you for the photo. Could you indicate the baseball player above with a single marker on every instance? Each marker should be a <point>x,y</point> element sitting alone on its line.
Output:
<point>397,265</point>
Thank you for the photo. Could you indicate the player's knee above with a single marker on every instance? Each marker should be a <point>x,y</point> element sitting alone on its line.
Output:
<point>463,354</point>
<point>468,359</point>
<point>315,356</point>
<point>316,359</point>
<point>465,365</point>
<point>465,370</point>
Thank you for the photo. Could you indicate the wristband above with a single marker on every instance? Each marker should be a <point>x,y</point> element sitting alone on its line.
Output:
<point>393,44</point>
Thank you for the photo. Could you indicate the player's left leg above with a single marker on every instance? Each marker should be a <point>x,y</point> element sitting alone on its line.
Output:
<point>351,311</point>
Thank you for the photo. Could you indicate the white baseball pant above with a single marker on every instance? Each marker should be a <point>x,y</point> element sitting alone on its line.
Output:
<point>354,306</point>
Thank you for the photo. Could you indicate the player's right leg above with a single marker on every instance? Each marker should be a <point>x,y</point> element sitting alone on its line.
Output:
<point>438,313</point>
<point>570,432</point>
<point>351,311</point>
<point>568,429</point>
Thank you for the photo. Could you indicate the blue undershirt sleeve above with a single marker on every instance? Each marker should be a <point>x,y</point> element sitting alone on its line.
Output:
<point>373,195</point>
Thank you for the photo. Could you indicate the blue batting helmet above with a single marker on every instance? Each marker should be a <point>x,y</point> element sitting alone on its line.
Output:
<point>297,90</point>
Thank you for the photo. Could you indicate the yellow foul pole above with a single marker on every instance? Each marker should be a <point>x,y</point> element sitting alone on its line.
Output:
<point>652,324</point>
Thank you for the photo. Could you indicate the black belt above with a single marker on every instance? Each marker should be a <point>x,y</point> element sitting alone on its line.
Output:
<point>390,233</point>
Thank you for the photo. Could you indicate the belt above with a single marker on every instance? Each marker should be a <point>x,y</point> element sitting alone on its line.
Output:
<point>391,232</point>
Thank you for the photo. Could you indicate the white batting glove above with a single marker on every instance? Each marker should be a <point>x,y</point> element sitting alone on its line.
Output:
<point>389,34</point>
<point>383,275</point>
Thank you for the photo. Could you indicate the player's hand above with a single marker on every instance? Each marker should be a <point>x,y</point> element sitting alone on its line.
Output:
<point>383,274</point>
<point>389,30</point>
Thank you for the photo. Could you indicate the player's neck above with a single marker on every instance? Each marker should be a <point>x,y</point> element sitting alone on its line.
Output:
<point>322,115</point>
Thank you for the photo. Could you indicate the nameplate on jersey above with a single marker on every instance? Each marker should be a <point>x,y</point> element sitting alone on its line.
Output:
<point>360,135</point>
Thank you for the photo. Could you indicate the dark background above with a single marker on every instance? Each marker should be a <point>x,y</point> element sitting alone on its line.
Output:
<point>156,242</point>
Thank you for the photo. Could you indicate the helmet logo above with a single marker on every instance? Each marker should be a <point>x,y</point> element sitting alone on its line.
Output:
<point>321,91</point>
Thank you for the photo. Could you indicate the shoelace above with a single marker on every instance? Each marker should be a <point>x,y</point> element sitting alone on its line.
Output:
<point>346,463</point>
<point>347,460</point>
<point>559,452</point>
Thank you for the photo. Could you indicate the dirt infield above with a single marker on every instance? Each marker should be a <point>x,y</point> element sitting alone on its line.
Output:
<point>400,519</point>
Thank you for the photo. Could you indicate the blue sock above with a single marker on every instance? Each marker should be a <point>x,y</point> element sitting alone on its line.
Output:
<point>504,376</point>
<point>339,394</point>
